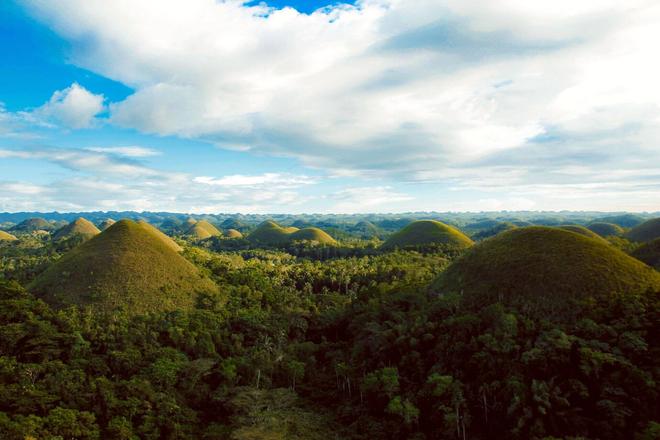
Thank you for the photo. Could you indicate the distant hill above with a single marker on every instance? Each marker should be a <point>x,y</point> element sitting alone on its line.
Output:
<point>546,272</point>
<point>647,231</point>
<point>269,232</point>
<point>79,227</point>
<point>105,224</point>
<point>649,253</point>
<point>202,230</point>
<point>233,223</point>
<point>578,229</point>
<point>33,224</point>
<point>427,232</point>
<point>6,236</point>
<point>365,229</point>
<point>233,233</point>
<point>160,234</point>
<point>497,228</point>
<point>127,266</point>
<point>606,229</point>
<point>623,220</point>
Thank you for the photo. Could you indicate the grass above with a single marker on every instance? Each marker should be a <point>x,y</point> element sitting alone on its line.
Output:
<point>312,234</point>
<point>545,271</point>
<point>6,236</point>
<point>427,232</point>
<point>647,231</point>
<point>161,235</point>
<point>578,229</point>
<point>202,230</point>
<point>269,232</point>
<point>127,266</point>
<point>33,224</point>
<point>79,226</point>
<point>649,253</point>
<point>606,229</point>
<point>233,233</point>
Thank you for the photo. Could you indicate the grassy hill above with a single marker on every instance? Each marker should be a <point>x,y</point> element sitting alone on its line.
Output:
<point>312,234</point>
<point>544,271</point>
<point>33,224</point>
<point>623,220</point>
<point>105,224</point>
<point>161,235</point>
<point>427,232</point>
<point>649,253</point>
<point>233,233</point>
<point>647,231</point>
<point>127,266</point>
<point>498,228</point>
<point>606,229</point>
<point>202,230</point>
<point>578,229</point>
<point>6,236</point>
<point>79,227</point>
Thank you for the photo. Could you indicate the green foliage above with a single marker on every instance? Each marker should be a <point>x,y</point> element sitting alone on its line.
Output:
<point>645,232</point>
<point>578,229</point>
<point>427,232</point>
<point>606,229</point>
<point>649,253</point>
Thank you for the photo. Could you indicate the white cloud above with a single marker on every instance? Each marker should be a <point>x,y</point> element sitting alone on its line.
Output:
<point>274,179</point>
<point>366,199</point>
<point>74,107</point>
<point>132,151</point>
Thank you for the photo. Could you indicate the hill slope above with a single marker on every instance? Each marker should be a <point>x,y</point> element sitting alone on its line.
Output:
<point>606,229</point>
<point>80,226</point>
<point>105,224</point>
<point>649,253</point>
<point>233,233</point>
<point>161,235</point>
<point>127,266</point>
<point>312,234</point>
<point>582,231</point>
<point>647,231</point>
<point>271,233</point>
<point>544,271</point>
<point>427,232</point>
<point>6,236</point>
<point>202,230</point>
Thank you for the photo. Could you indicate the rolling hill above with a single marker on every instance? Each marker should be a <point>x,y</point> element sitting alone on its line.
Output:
<point>649,253</point>
<point>128,266</point>
<point>578,229</point>
<point>271,233</point>
<point>79,227</point>
<point>543,271</point>
<point>427,232</point>
<point>606,229</point>
<point>6,236</point>
<point>105,224</point>
<point>201,230</point>
<point>647,231</point>
<point>233,233</point>
<point>312,234</point>
<point>33,224</point>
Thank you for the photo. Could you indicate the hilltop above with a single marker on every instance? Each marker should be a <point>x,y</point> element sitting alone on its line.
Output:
<point>126,266</point>
<point>606,229</point>
<point>105,224</point>
<point>312,234</point>
<point>6,236</point>
<point>202,230</point>
<point>233,233</point>
<point>578,229</point>
<point>544,271</point>
<point>649,253</point>
<point>427,232</point>
<point>33,224</point>
<point>79,227</point>
<point>498,228</point>
<point>647,231</point>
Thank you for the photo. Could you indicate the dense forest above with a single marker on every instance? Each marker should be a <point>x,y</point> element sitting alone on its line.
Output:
<point>348,340</point>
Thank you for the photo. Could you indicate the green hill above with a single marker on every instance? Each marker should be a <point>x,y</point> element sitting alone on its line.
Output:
<point>544,271</point>
<point>493,231</point>
<point>160,234</point>
<point>649,253</point>
<point>6,236</point>
<point>312,234</point>
<point>33,224</point>
<point>365,229</point>
<point>647,231</point>
<point>233,233</point>
<point>606,229</point>
<point>427,232</point>
<point>105,224</point>
<point>623,220</point>
<point>127,266</point>
<point>202,230</point>
<point>79,227</point>
<point>578,229</point>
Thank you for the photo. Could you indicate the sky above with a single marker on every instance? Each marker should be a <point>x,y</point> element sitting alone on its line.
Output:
<point>212,106</point>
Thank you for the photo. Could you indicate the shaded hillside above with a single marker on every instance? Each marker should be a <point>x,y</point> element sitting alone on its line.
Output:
<point>544,271</point>
<point>649,253</point>
<point>606,229</point>
<point>425,233</point>
<point>105,224</point>
<point>128,266</point>
<point>33,224</point>
<point>79,227</point>
<point>578,229</point>
<point>647,231</point>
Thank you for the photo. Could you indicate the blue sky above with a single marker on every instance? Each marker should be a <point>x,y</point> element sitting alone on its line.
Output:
<point>373,106</point>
